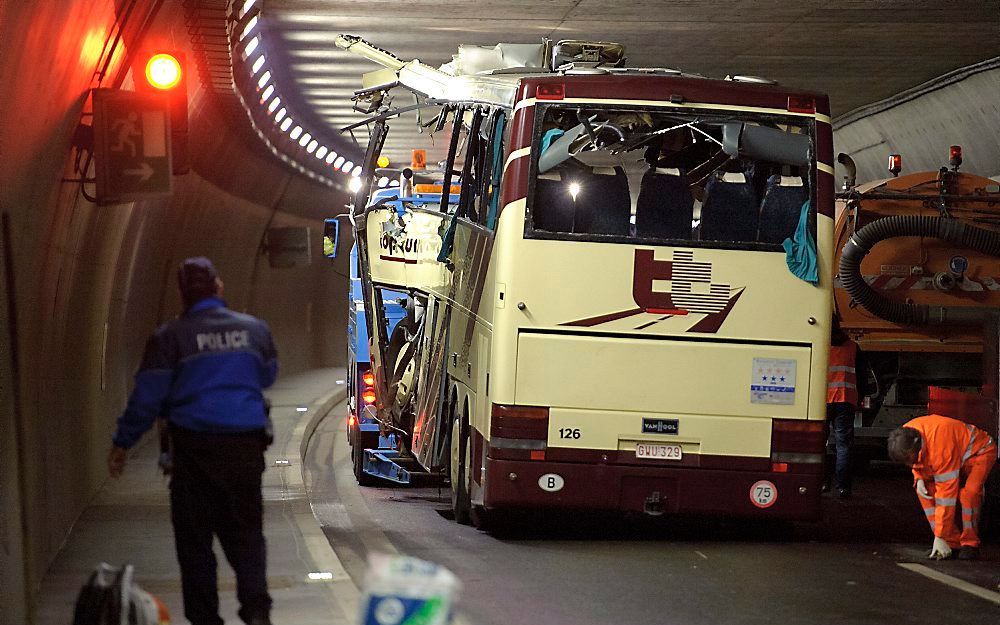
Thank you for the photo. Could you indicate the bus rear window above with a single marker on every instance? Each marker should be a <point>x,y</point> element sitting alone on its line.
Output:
<point>712,179</point>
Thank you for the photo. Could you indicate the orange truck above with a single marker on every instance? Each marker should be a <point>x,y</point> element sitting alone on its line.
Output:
<point>917,285</point>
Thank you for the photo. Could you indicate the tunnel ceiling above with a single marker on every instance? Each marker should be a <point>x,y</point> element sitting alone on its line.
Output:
<point>857,51</point>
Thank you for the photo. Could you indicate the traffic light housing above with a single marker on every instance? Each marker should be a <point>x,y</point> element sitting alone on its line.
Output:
<point>164,73</point>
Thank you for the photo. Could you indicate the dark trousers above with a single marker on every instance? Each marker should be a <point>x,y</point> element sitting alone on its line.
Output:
<point>215,490</point>
<point>841,418</point>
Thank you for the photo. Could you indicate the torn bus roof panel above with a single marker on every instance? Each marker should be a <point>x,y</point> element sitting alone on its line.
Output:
<point>428,81</point>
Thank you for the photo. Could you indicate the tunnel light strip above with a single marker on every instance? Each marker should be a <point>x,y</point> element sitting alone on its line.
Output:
<point>250,39</point>
<point>247,6</point>
<point>251,46</point>
<point>249,27</point>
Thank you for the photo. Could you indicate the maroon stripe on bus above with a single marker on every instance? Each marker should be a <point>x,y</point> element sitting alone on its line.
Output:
<point>522,129</point>
<point>824,180</point>
<point>593,321</point>
<point>515,183</point>
<point>611,456</point>
<point>663,88</point>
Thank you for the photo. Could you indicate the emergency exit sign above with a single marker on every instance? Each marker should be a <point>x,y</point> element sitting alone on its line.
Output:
<point>131,146</point>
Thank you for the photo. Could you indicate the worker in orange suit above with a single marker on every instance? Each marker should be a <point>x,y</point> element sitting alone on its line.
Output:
<point>842,403</point>
<point>951,461</point>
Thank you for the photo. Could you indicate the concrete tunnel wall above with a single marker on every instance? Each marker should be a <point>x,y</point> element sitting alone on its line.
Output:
<point>958,108</point>
<point>83,286</point>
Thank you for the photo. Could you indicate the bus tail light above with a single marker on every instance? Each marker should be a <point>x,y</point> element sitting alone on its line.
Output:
<point>519,432</point>
<point>523,422</point>
<point>550,91</point>
<point>368,378</point>
<point>796,437</point>
<point>801,104</point>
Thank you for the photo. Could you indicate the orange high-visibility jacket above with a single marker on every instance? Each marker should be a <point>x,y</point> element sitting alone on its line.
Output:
<point>842,379</point>
<point>947,444</point>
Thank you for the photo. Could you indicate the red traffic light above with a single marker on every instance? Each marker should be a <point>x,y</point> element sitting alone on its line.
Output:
<point>163,71</point>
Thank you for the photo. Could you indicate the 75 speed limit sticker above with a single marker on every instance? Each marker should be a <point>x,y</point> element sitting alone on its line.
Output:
<point>763,494</point>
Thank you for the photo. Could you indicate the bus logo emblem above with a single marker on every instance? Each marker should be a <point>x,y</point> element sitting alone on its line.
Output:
<point>690,291</point>
<point>691,287</point>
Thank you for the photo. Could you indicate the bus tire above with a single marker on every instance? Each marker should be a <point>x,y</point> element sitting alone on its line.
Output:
<point>358,460</point>
<point>461,504</point>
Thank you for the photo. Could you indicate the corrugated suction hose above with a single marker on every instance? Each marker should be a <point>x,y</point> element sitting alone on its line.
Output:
<point>949,230</point>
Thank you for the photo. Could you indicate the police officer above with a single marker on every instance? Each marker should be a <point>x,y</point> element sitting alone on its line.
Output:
<point>204,372</point>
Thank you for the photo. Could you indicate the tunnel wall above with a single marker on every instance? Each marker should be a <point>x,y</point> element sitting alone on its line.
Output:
<point>959,108</point>
<point>83,286</point>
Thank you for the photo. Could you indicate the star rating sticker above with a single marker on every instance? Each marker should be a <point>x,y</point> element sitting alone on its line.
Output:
<point>772,378</point>
<point>782,378</point>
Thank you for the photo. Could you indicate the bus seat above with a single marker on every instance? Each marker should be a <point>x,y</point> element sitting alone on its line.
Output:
<point>552,209</point>
<point>665,207</point>
<point>780,208</point>
<point>729,210</point>
<point>603,204</point>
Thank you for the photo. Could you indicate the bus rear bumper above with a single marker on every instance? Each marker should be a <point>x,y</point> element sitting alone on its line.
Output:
<point>652,489</point>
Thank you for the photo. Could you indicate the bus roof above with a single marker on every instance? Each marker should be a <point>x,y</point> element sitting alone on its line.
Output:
<point>506,87</point>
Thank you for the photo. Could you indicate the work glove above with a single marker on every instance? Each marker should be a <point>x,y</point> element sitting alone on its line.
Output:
<point>922,490</point>
<point>940,549</point>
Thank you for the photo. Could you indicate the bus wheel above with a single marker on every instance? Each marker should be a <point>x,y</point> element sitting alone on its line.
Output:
<point>460,503</point>
<point>358,458</point>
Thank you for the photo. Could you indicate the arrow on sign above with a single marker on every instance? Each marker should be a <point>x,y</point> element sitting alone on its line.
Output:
<point>145,172</point>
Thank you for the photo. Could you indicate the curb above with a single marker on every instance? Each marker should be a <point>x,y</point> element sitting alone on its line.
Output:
<point>320,409</point>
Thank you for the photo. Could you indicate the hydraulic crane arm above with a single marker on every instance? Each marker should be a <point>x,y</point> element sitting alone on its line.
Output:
<point>413,75</point>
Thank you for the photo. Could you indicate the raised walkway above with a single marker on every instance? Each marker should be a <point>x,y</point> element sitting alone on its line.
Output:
<point>129,521</point>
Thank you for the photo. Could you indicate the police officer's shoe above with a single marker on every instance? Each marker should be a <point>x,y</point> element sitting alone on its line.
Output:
<point>968,553</point>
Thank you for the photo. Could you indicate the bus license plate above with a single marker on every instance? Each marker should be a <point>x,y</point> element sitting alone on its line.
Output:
<point>658,452</point>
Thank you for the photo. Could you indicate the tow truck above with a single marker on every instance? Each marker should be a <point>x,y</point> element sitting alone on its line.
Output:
<point>375,446</point>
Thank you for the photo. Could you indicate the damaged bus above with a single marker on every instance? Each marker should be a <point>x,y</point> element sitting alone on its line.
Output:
<point>626,305</point>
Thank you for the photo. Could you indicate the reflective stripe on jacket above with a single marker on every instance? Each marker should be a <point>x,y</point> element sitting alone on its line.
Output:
<point>947,445</point>
<point>842,379</point>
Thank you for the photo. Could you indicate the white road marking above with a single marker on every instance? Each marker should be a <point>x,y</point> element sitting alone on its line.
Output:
<point>701,554</point>
<point>954,582</point>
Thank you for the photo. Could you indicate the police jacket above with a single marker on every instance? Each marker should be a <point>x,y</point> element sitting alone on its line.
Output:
<point>204,371</point>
